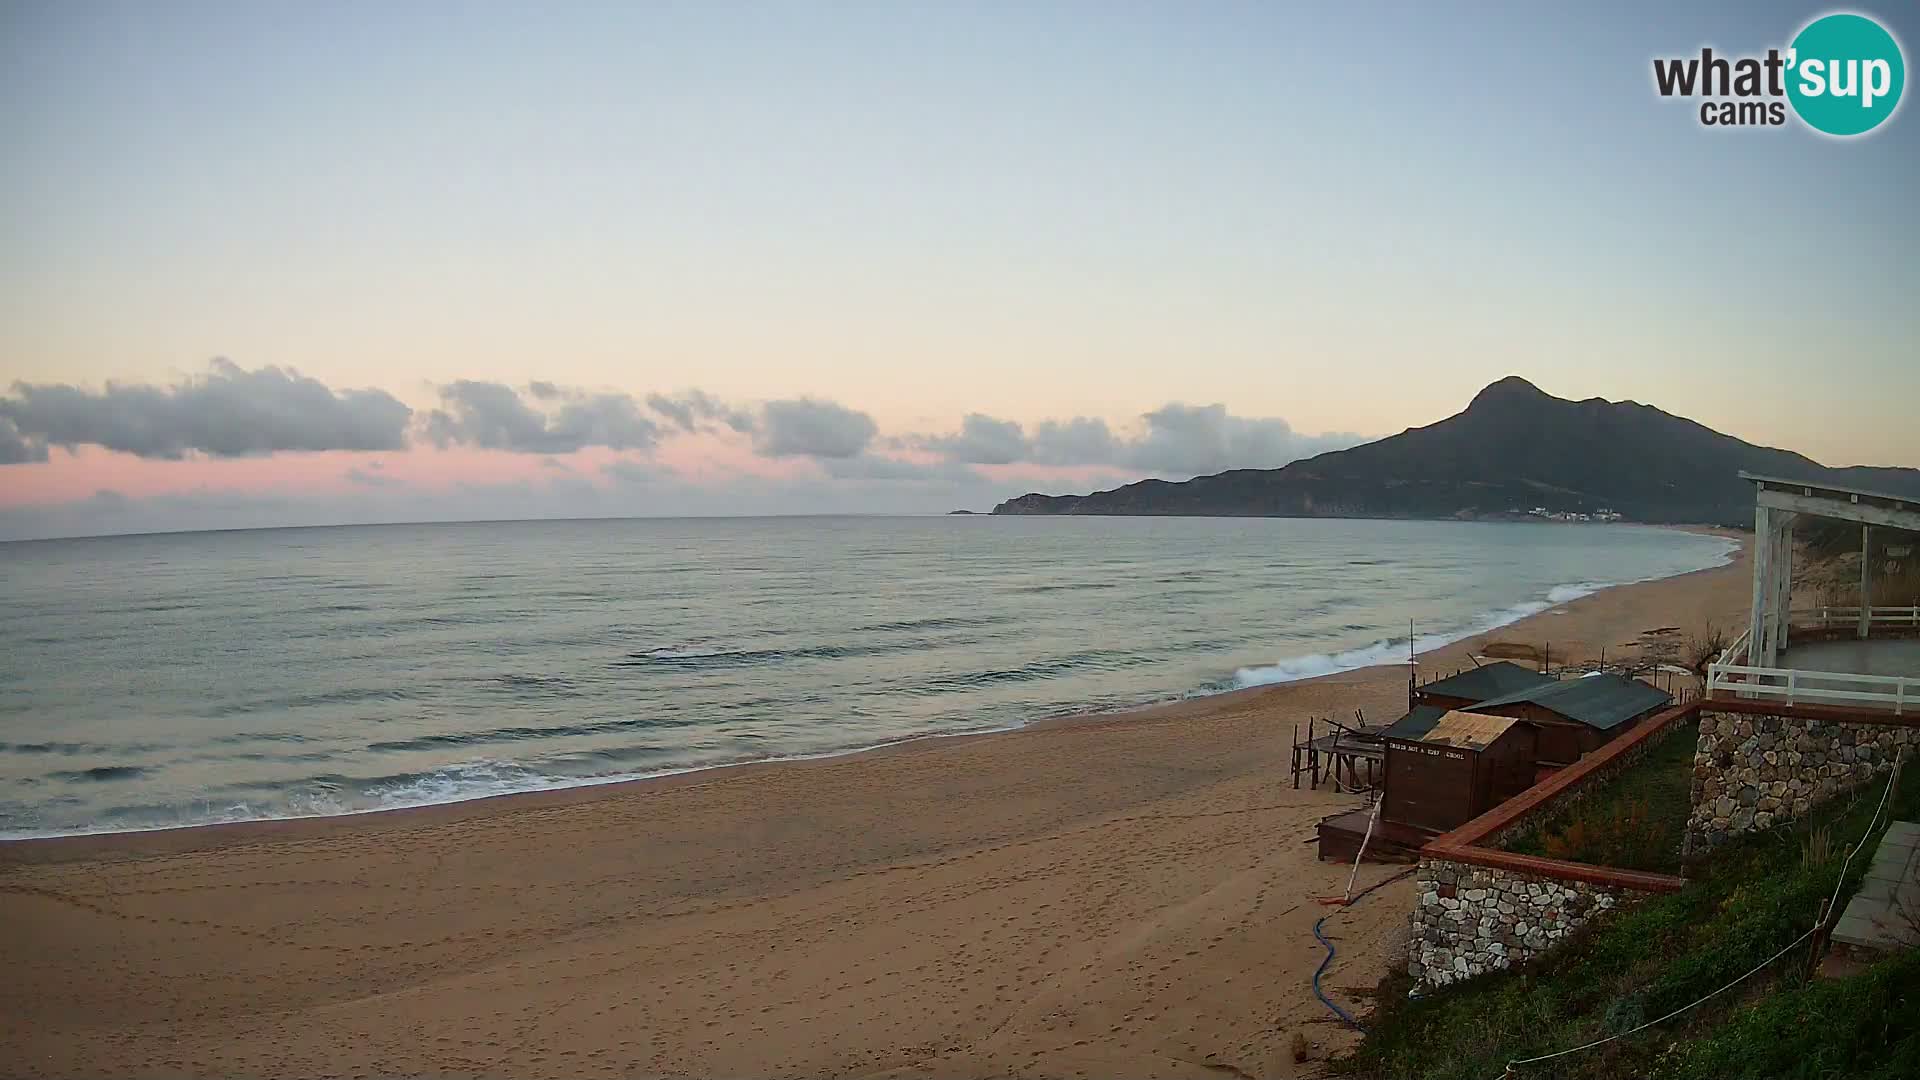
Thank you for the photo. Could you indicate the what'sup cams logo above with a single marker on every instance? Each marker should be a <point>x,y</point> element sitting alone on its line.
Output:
<point>1842,75</point>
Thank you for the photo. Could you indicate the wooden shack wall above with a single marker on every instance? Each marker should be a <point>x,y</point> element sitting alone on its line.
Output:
<point>1442,701</point>
<point>1508,765</point>
<point>1561,741</point>
<point>1429,786</point>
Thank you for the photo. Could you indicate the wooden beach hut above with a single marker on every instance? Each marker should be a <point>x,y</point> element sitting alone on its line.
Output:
<point>1446,767</point>
<point>1441,767</point>
<point>1575,716</point>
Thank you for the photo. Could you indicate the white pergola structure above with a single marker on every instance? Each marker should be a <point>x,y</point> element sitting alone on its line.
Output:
<point>1750,667</point>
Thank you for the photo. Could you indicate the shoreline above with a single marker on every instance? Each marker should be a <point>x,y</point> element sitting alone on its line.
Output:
<point>1122,893</point>
<point>175,838</point>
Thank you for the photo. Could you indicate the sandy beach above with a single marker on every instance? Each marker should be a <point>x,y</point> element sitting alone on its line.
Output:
<point>1118,895</point>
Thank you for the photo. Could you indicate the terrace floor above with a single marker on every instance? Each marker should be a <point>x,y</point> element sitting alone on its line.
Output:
<point>1875,656</point>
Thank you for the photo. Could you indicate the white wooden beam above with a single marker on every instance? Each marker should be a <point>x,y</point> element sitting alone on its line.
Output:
<point>1866,579</point>
<point>1774,562</point>
<point>1762,550</point>
<point>1901,518</point>
<point>1783,583</point>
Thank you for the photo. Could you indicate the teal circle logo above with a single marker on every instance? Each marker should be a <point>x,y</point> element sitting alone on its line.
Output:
<point>1845,74</point>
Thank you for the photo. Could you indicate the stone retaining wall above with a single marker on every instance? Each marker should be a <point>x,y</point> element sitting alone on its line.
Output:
<point>1469,920</point>
<point>1479,908</point>
<point>1754,770</point>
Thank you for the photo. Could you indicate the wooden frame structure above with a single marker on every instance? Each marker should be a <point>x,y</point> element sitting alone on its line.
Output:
<point>1750,667</point>
<point>1345,749</point>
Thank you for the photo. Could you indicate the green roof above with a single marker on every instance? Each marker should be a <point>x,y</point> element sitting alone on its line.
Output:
<point>1487,681</point>
<point>1415,724</point>
<point>1602,700</point>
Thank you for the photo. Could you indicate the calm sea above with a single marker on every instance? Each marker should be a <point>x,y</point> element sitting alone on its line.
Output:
<point>153,681</point>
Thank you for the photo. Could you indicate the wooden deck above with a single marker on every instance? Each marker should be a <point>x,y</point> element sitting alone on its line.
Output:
<point>1393,841</point>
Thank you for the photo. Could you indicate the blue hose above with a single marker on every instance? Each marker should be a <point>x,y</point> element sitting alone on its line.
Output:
<point>1328,959</point>
<point>1324,999</point>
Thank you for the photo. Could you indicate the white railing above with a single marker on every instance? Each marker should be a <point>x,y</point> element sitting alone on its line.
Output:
<point>1737,650</point>
<point>1878,615</point>
<point>1829,687</point>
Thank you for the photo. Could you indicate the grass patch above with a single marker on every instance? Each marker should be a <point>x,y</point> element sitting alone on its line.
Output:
<point>1752,898</point>
<point>1633,821</point>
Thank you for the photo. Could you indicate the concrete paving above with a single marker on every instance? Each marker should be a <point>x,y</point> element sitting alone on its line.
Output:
<point>1884,916</point>
<point>1875,656</point>
<point>1878,656</point>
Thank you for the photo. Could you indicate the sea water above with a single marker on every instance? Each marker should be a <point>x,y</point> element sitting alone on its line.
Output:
<point>189,678</point>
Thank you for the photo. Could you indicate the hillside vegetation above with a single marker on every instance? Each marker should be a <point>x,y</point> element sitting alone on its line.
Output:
<point>1744,904</point>
<point>1833,578</point>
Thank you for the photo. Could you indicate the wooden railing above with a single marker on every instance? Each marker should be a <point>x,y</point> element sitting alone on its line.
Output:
<point>1734,674</point>
<point>1738,650</point>
<point>1878,615</point>
<point>1795,687</point>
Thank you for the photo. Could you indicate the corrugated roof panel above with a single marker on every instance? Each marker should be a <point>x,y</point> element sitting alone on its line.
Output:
<point>1487,681</point>
<point>1416,723</point>
<point>1471,731</point>
<point>1601,701</point>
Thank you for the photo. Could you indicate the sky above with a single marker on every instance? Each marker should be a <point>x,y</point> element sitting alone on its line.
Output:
<point>275,263</point>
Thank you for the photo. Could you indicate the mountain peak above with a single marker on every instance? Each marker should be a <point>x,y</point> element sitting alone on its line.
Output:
<point>1511,390</point>
<point>1514,449</point>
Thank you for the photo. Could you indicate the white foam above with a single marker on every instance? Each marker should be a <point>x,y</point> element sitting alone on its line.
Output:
<point>1561,594</point>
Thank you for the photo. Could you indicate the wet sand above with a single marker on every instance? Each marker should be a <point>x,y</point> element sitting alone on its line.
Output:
<point>1117,895</point>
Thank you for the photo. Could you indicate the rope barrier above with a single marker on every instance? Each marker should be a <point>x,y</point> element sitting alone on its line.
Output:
<point>1355,876</point>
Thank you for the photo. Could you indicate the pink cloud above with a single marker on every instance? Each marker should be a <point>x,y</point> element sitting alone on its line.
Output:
<point>69,476</point>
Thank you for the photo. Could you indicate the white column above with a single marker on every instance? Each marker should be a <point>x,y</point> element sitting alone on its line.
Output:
<point>1866,579</point>
<point>1757,625</point>
<point>1783,582</point>
<point>1771,656</point>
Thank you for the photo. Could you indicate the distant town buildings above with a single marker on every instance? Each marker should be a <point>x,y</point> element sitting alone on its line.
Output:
<point>1603,514</point>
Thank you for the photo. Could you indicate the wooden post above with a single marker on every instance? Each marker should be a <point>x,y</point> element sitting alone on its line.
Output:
<point>1313,755</point>
<point>1866,580</point>
<point>1819,942</point>
<point>1296,755</point>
